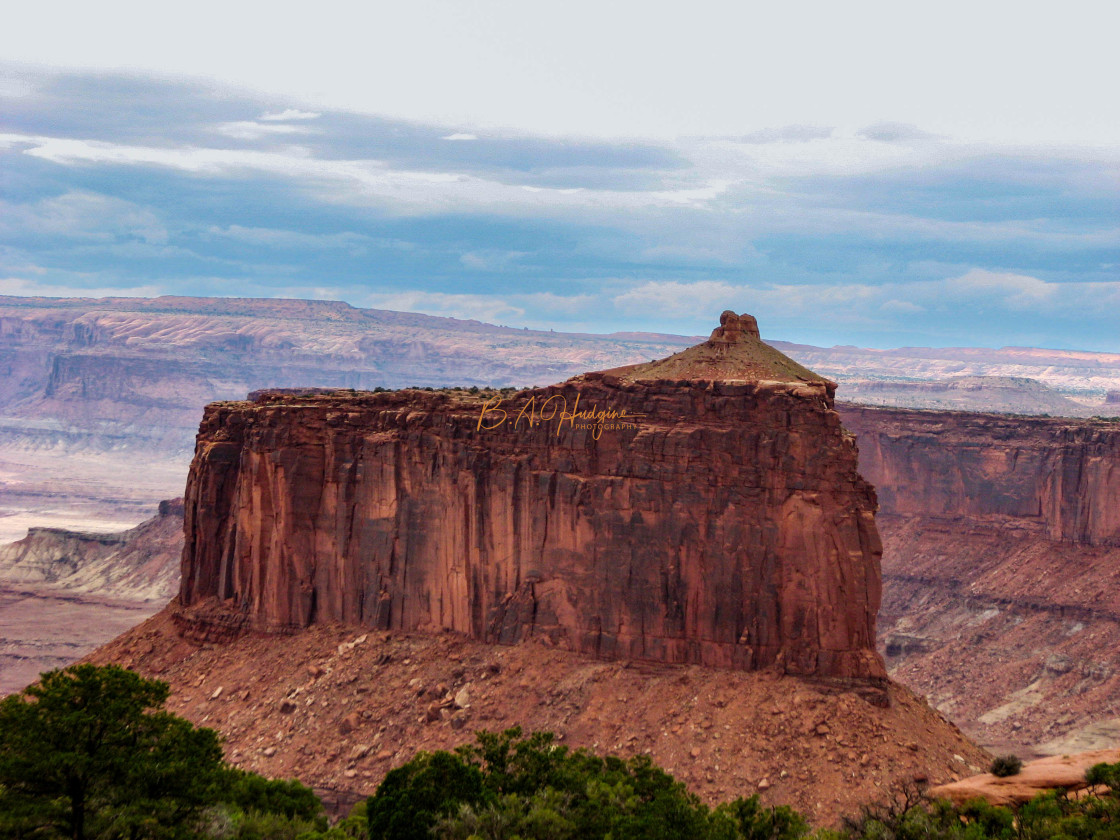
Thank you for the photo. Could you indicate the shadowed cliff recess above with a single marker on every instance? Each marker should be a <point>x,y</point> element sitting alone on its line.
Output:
<point>705,508</point>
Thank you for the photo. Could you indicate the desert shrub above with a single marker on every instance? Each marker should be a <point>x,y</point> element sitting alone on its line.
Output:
<point>508,786</point>
<point>748,819</point>
<point>1107,775</point>
<point>413,797</point>
<point>285,797</point>
<point>1006,765</point>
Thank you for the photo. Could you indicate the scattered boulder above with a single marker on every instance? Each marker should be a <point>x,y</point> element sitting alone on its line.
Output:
<point>462,698</point>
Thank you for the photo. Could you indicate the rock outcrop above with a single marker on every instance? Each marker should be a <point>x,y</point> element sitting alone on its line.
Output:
<point>1061,773</point>
<point>705,509</point>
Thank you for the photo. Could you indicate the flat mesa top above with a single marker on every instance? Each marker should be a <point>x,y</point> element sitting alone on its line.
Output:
<point>733,353</point>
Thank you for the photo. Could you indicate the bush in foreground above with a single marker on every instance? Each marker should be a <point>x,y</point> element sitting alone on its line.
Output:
<point>89,753</point>
<point>1006,765</point>
<point>506,786</point>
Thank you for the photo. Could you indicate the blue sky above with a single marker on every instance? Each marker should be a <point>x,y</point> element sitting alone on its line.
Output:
<point>141,181</point>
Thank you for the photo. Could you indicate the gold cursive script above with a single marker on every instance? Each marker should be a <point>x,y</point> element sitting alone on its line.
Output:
<point>555,408</point>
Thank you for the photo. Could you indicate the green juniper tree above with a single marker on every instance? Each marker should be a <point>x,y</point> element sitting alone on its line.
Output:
<point>89,753</point>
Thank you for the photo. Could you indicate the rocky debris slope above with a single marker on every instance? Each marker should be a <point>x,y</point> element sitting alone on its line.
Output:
<point>140,564</point>
<point>340,706</point>
<point>704,509</point>
<point>1064,773</point>
<point>1001,570</point>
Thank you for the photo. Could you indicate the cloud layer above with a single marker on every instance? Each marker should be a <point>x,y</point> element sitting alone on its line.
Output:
<point>885,235</point>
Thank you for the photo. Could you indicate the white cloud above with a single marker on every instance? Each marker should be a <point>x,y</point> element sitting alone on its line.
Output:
<point>15,88</point>
<point>490,260</point>
<point>369,181</point>
<point>686,299</point>
<point>900,307</point>
<point>83,215</point>
<point>255,130</point>
<point>894,132</point>
<point>537,310</point>
<point>11,141</point>
<point>291,238</point>
<point>787,134</point>
<point>886,305</point>
<point>1017,291</point>
<point>289,114</point>
<point>992,69</point>
<point>459,135</point>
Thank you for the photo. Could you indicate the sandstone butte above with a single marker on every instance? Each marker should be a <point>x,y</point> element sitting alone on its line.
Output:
<point>712,515</point>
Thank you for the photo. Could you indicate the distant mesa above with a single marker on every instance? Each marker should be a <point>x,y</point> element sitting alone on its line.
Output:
<point>705,508</point>
<point>996,394</point>
<point>137,564</point>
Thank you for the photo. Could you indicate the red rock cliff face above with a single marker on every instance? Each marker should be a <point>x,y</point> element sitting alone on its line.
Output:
<point>1001,569</point>
<point>715,522</point>
<point>1058,474</point>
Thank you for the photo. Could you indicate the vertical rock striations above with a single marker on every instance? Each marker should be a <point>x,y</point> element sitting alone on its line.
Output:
<point>704,508</point>
<point>1058,475</point>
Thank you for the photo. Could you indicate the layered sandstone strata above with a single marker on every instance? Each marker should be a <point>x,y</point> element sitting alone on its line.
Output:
<point>1061,476</point>
<point>705,508</point>
<point>1001,569</point>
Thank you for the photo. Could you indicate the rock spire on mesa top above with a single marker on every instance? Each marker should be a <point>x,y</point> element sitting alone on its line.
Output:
<point>734,353</point>
<point>733,328</point>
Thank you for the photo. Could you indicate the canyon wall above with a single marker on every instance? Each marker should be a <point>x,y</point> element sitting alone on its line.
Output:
<point>1001,569</point>
<point>716,522</point>
<point>1060,475</point>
